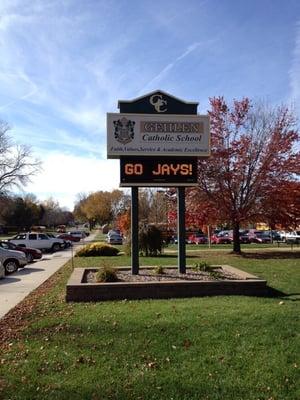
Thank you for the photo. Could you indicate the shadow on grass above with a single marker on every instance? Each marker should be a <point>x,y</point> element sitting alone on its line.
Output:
<point>271,255</point>
<point>173,256</point>
<point>274,293</point>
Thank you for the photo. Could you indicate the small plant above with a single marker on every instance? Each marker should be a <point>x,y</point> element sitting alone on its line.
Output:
<point>202,266</point>
<point>159,270</point>
<point>215,274</point>
<point>106,274</point>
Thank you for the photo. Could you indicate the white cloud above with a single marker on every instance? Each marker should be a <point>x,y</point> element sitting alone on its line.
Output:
<point>64,176</point>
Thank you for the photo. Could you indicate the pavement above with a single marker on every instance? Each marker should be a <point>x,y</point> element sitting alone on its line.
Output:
<point>14,288</point>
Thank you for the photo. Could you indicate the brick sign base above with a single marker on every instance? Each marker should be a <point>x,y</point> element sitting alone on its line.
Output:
<point>79,291</point>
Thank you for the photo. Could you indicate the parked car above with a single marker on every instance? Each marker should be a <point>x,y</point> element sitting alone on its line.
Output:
<point>67,236</point>
<point>261,237</point>
<point>67,243</point>
<point>78,234</point>
<point>113,232</point>
<point>2,271</point>
<point>197,238</point>
<point>30,253</point>
<point>114,239</point>
<point>61,229</point>
<point>244,236</point>
<point>12,260</point>
<point>293,237</point>
<point>222,237</point>
<point>38,241</point>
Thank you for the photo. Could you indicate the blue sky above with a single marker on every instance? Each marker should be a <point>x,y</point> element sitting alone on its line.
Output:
<point>65,63</point>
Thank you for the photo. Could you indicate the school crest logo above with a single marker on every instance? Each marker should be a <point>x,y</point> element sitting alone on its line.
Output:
<point>124,130</point>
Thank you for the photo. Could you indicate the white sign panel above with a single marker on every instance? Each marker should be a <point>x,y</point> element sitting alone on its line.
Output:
<point>157,135</point>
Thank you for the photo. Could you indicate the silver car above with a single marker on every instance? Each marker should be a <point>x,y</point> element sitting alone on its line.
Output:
<point>114,239</point>
<point>12,260</point>
<point>2,271</point>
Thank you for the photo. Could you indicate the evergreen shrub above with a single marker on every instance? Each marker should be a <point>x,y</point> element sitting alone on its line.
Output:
<point>97,249</point>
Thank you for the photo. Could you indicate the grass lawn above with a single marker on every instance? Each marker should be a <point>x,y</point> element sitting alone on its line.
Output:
<point>225,347</point>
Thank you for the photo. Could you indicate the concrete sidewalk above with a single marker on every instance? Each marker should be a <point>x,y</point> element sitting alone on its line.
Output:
<point>14,288</point>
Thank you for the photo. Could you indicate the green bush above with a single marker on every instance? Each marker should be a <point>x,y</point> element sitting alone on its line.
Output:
<point>97,249</point>
<point>150,241</point>
<point>106,274</point>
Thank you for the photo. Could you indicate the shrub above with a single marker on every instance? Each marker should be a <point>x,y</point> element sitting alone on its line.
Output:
<point>97,249</point>
<point>202,266</point>
<point>150,241</point>
<point>206,267</point>
<point>159,270</point>
<point>106,274</point>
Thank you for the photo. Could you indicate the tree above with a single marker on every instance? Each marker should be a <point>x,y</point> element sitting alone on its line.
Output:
<point>101,207</point>
<point>144,205</point>
<point>23,212</point>
<point>124,222</point>
<point>6,203</point>
<point>17,165</point>
<point>253,152</point>
<point>51,214</point>
<point>282,206</point>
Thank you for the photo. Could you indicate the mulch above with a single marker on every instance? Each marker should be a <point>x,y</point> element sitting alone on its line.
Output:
<point>170,274</point>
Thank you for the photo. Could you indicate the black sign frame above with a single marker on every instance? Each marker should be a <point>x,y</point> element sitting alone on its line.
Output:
<point>158,171</point>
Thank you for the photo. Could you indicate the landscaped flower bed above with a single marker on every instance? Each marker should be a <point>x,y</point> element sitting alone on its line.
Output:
<point>224,280</point>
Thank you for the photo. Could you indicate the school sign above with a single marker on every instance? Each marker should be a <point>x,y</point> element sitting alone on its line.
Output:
<point>157,135</point>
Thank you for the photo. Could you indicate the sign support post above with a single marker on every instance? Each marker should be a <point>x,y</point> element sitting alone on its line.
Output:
<point>134,230</point>
<point>181,229</point>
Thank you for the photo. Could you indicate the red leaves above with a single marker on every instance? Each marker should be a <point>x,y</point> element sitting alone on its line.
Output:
<point>253,152</point>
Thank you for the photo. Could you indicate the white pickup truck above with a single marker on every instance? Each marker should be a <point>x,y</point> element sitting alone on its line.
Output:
<point>292,237</point>
<point>38,241</point>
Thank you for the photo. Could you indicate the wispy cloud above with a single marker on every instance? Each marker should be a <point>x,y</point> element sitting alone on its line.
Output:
<point>157,79</point>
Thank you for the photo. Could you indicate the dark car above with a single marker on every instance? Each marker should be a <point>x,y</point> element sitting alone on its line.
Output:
<point>67,243</point>
<point>30,253</point>
<point>261,237</point>
<point>222,237</point>
<point>197,238</point>
<point>67,236</point>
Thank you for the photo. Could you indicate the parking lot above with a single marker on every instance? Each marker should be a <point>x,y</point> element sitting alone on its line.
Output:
<point>15,287</point>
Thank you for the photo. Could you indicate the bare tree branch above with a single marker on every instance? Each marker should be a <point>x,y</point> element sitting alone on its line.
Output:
<point>17,165</point>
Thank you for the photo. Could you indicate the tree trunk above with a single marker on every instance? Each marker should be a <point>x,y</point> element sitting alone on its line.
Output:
<point>236,238</point>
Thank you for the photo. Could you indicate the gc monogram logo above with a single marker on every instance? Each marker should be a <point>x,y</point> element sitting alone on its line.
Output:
<point>158,103</point>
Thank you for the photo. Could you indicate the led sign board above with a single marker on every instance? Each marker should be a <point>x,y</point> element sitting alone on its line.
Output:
<point>158,171</point>
<point>157,135</point>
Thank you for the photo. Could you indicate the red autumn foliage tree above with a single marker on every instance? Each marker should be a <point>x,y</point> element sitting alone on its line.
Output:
<point>282,206</point>
<point>253,152</point>
<point>124,222</point>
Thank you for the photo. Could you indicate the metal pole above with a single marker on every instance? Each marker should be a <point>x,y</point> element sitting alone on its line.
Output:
<point>181,229</point>
<point>135,230</point>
